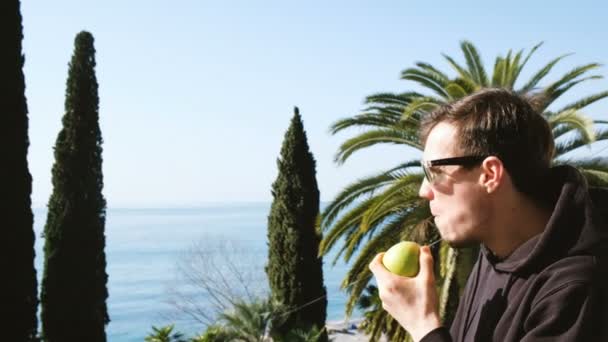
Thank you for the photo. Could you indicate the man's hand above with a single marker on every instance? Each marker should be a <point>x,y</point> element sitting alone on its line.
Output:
<point>411,301</point>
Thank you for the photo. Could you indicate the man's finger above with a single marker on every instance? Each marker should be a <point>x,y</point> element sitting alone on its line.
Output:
<point>426,263</point>
<point>376,264</point>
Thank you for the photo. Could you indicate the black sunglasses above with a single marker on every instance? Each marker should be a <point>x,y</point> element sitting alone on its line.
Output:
<point>463,161</point>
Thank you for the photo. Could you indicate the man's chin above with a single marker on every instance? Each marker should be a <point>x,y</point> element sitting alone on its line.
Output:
<point>461,243</point>
<point>455,240</point>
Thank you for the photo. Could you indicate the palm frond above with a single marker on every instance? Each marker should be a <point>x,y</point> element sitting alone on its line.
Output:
<point>513,70</point>
<point>572,74</point>
<point>384,214</point>
<point>523,64</point>
<point>536,47</point>
<point>402,195</point>
<point>455,267</point>
<point>362,187</point>
<point>401,188</point>
<point>467,84</point>
<point>499,74</point>
<point>474,63</point>
<point>350,226</point>
<point>563,147</point>
<point>249,321</point>
<point>365,120</point>
<point>424,104</point>
<point>595,178</point>
<point>595,169</point>
<point>559,130</point>
<point>580,104</point>
<point>461,71</point>
<point>344,227</point>
<point>375,116</point>
<point>436,72</point>
<point>400,99</point>
<point>540,75</point>
<point>507,69</point>
<point>552,95</point>
<point>426,79</point>
<point>455,90</point>
<point>448,264</point>
<point>599,164</point>
<point>392,111</point>
<point>374,137</point>
<point>576,122</point>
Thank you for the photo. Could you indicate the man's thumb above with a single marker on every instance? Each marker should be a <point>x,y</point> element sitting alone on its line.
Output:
<point>426,262</point>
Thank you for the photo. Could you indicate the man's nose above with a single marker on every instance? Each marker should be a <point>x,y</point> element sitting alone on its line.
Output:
<point>425,190</point>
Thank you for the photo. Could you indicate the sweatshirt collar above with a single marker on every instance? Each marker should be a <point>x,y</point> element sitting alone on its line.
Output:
<point>570,229</point>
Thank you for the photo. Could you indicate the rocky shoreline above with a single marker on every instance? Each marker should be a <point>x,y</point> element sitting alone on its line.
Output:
<point>346,331</point>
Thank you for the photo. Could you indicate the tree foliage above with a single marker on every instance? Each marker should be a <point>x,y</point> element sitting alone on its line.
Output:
<point>74,285</point>
<point>18,289</point>
<point>294,269</point>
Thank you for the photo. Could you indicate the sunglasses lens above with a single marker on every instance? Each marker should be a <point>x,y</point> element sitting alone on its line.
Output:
<point>427,173</point>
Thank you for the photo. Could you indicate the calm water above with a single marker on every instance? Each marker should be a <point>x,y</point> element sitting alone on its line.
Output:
<point>144,246</point>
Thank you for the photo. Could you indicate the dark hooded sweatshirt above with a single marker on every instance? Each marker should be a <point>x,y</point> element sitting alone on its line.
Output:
<point>551,288</point>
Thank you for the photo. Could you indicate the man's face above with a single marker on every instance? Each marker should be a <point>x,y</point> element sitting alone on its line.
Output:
<point>458,202</point>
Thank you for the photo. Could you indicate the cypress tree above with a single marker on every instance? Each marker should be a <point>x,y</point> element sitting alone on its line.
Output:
<point>18,286</point>
<point>74,288</point>
<point>294,269</point>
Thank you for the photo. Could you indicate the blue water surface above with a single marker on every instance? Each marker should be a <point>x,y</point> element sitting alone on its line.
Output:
<point>144,247</point>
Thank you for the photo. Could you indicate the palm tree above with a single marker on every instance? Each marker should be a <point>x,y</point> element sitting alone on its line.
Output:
<point>373,213</point>
<point>314,334</point>
<point>213,333</point>
<point>251,321</point>
<point>165,334</point>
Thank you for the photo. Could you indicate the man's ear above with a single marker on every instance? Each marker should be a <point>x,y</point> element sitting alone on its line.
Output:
<point>492,173</point>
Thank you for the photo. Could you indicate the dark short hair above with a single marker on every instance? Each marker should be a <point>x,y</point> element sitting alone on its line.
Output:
<point>501,123</point>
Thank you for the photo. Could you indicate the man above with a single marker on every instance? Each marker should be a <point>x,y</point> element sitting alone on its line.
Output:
<point>539,275</point>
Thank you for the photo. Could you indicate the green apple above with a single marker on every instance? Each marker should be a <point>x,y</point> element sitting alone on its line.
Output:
<point>403,259</point>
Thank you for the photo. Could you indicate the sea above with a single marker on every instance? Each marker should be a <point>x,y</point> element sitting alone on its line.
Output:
<point>154,256</point>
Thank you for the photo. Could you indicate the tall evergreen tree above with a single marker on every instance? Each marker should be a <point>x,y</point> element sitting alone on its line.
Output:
<point>74,288</point>
<point>294,268</point>
<point>18,287</point>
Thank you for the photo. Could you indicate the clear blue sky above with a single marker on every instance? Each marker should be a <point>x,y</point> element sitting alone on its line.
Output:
<point>197,95</point>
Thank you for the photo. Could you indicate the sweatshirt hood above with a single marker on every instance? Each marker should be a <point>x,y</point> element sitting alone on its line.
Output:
<point>574,228</point>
